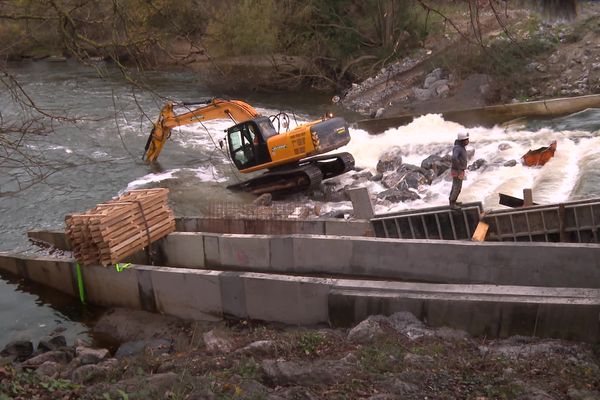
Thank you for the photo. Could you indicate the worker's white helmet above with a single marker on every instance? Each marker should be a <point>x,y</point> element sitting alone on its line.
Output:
<point>462,136</point>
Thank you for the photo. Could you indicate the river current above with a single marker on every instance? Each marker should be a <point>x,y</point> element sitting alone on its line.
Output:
<point>101,158</point>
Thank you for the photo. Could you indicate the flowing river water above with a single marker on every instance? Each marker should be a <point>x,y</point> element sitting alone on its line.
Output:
<point>101,157</point>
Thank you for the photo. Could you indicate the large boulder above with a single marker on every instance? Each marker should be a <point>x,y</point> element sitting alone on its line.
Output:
<point>18,350</point>
<point>390,160</point>
<point>397,196</point>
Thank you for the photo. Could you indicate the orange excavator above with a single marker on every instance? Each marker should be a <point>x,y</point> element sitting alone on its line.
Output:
<point>294,158</point>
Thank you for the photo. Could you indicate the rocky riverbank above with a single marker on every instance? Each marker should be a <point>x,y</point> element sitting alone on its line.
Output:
<point>395,357</point>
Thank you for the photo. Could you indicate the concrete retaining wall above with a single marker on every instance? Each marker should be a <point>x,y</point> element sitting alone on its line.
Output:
<point>201,294</point>
<point>529,264</point>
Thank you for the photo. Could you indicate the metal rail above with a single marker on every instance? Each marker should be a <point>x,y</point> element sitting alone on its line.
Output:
<point>441,223</point>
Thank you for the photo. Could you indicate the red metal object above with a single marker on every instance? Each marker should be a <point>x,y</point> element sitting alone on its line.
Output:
<point>539,156</point>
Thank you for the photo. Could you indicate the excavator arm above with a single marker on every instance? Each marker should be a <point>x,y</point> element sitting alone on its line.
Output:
<point>236,110</point>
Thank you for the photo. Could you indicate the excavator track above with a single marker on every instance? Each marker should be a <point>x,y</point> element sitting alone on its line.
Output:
<point>304,176</point>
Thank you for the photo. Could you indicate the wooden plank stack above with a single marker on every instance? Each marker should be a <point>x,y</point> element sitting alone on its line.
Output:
<point>111,231</point>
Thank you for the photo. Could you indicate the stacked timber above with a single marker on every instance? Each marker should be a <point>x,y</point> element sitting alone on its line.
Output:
<point>111,231</point>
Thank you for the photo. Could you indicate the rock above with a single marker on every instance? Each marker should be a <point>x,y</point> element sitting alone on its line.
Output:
<point>392,180</point>
<point>377,177</point>
<point>416,359</point>
<point>49,368</point>
<point>155,346</point>
<point>155,386</point>
<point>363,175</point>
<point>510,163</point>
<point>398,386</point>
<point>379,112</point>
<point>422,94</point>
<point>260,347</point>
<point>477,164</point>
<point>429,81</point>
<point>216,343</point>
<point>390,160</point>
<point>413,180</point>
<point>541,68</point>
<point>408,325</point>
<point>295,392</point>
<point>320,372</point>
<point>504,146</point>
<point>397,196</point>
<point>442,91</point>
<point>18,349</point>
<point>90,356</point>
<point>53,343</point>
<point>265,200</point>
<point>436,164</point>
<point>575,394</point>
<point>366,331</point>
<point>450,333</point>
<point>88,374</point>
<point>56,356</point>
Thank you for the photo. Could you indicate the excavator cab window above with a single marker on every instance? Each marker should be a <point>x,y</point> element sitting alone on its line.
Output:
<point>247,145</point>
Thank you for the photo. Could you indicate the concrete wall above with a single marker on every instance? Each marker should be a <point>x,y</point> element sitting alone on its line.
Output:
<point>489,310</point>
<point>529,264</point>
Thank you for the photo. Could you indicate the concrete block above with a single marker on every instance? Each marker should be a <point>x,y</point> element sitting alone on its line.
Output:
<point>188,294</point>
<point>183,249</point>
<point>282,254</point>
<point>212,256</point>
<point>50,272</point>
<point>244,251</point>
<point>8,263</point>
<point>233,294</point>
<point>322,254</point>
<point>56,238</point>
<point>186,224</point>
<point>287,299</point>
<point>336,227</point>
<point>107,287</point>
<point>361,202</point>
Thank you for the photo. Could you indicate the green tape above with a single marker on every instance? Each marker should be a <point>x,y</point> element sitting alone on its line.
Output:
<point>121,267</point>
<point>80,283</point>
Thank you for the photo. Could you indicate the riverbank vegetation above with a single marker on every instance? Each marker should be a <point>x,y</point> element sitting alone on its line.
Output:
<point>318,43</point>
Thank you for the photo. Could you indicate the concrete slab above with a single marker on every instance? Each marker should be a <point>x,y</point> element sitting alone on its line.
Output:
<point>245,251</point>
<point>107,287</point>
<point>212,256</point>
<point>322,254</point>
<point>183,249</point>
<point>287,299</point>
<point>282,254</point>
<point>8,263</point>
<point>336,227</point>
<point>50,272</point>
<point>187,294</point>
<point>233,294</point>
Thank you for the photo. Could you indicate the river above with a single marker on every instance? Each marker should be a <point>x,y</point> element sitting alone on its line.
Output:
<point>100,157</point>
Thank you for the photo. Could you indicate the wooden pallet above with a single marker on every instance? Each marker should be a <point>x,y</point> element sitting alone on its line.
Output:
<point>111,231</point>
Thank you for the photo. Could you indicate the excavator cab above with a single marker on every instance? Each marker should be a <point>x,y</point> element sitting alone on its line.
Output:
<point>248,142</point>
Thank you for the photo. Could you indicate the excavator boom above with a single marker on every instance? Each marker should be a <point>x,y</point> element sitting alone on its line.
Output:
<point>236,110</point>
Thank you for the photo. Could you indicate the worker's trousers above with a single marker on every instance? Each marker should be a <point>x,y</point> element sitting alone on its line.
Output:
<point>456,187</point>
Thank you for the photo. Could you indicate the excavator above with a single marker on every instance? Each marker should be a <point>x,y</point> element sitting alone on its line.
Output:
<point>294,159</point>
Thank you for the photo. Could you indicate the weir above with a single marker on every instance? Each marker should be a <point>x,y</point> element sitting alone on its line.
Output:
<point>336,272</point>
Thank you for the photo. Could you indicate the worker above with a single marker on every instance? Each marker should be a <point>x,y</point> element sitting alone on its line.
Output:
<point>459,165</point>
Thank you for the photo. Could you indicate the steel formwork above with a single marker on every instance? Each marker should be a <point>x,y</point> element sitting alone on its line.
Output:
<point>429,223</point>
<point>575,222</point>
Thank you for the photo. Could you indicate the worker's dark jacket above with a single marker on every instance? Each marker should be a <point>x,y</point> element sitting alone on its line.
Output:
<point>459,156</point>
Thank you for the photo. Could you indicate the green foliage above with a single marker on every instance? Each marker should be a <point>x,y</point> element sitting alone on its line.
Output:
<point>504,392</point>
<point>382,356</point>
<point>309,342</point>
<point>244,27</point>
